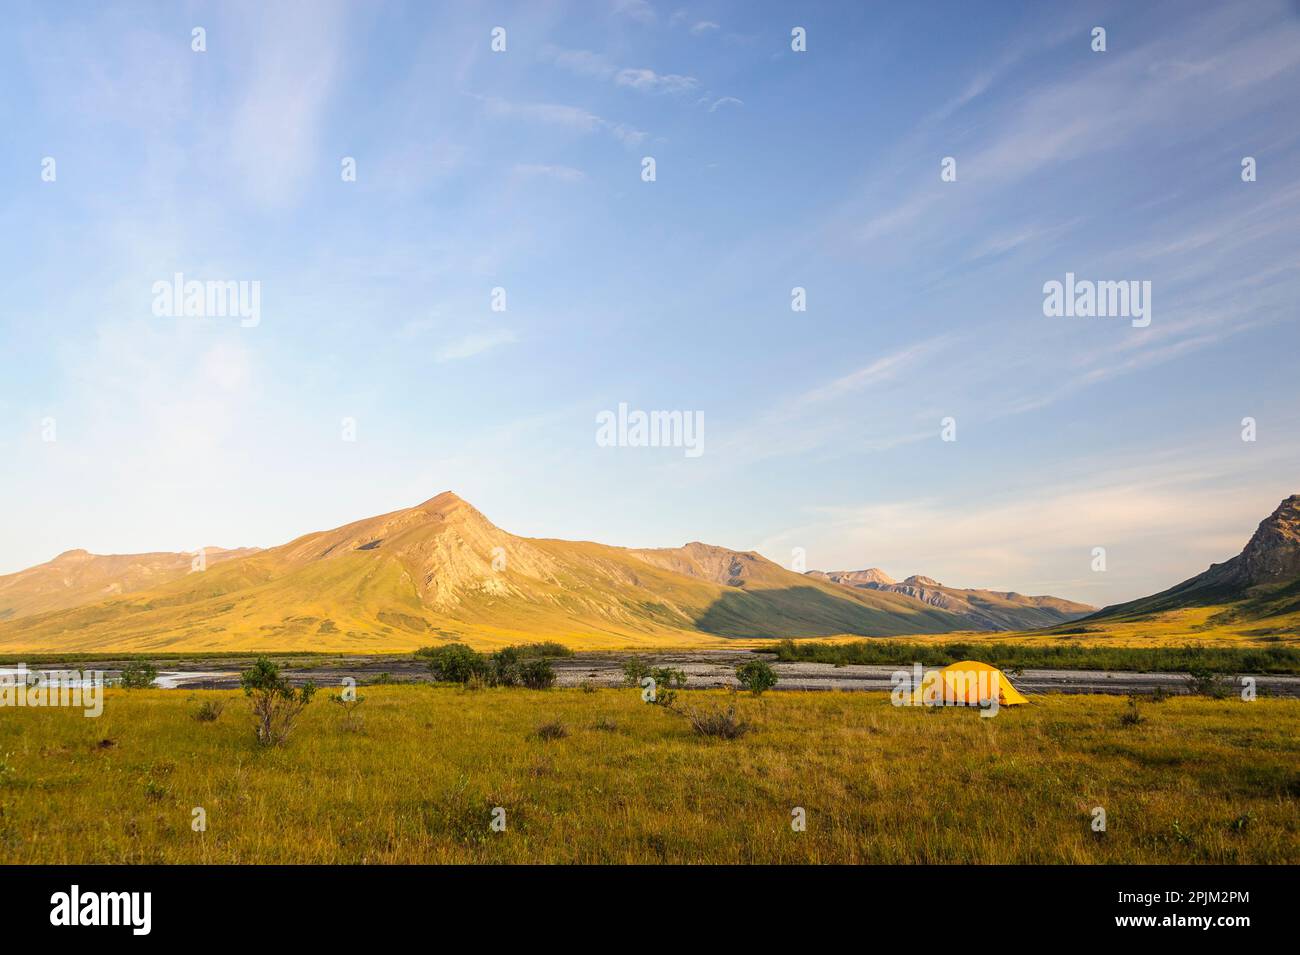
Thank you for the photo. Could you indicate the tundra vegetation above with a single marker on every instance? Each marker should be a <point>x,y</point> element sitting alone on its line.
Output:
<point>1196,780</point>
<point>756,676</point>
<point>1188,658</point>
<point>527,665</point>
<point>138,675</point>
<point>277,703</point>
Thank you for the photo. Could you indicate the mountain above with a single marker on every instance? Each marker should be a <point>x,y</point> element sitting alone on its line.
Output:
<point>441,570</point>
<point>78,577</point>
<point>980,609</point>
<point>1261,585</point>
<point>870,577</point>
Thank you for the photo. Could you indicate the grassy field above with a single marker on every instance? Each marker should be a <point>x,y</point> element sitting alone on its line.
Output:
<point>1197,780</point>
<point>1010,654</point>
<point>1232,625</point>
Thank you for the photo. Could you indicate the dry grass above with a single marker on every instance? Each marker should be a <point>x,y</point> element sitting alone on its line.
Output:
<point>879,784</point>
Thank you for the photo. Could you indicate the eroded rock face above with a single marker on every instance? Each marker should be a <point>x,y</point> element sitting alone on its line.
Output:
<point>858,578</point>
<point>1270,557</point>
<point>1273,553</point>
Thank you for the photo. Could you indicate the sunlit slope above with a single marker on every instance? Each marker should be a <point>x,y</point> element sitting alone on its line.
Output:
<point>441,570</point>
<point>77,577</point>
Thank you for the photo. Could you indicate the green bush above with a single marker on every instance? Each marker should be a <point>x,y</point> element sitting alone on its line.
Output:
<point>455,662</point>
<point>139,675</point>
<point>537,674</point>
<point>634,671</point>
<point>509,666</point>
<point>668,680</point>
<point>1201,681</point>
<point>756,676</point>
<point>276,703</point>
<point>349,703</point>
<point>546,648</point>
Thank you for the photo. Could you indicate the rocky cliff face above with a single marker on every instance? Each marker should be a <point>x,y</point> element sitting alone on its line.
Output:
<point>1270,558</point>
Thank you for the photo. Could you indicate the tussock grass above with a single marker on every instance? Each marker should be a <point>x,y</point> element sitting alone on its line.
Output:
<point>879,783</point>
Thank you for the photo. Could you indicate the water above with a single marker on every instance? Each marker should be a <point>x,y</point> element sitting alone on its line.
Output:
<point>74,677</point>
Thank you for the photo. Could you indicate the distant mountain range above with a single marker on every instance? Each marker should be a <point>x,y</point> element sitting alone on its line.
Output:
<point>78,577</point>
<point>441,570</point>
<point>981,609</point>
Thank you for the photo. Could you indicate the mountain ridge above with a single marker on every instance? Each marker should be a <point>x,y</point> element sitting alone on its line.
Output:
<point>76,577</point>
<point>1262,580</point>
<point>442,570</point>
<point>981,609</point>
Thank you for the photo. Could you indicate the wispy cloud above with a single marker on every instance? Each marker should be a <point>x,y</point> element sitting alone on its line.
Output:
<point>558,173</point>
<point>883,369</point>
<point>598,65</point>
<point>475,344</point>
<point>649,81</point>
<point>570,117</point>
<point>639,11</point>
<point>274,133</point>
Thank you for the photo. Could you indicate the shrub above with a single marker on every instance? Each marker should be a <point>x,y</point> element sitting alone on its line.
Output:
<point>588,686</point>
<point>276,704</point>
<point>503,667</point>
<point>552,730</point>
<point>1202,681</point>
<point>1131,716</point>
<point>454,662</point>
<point>756,676</point>
<point>537,674</point>
<point>139,675</point>
<point>348,703</point>
<point>546,648</point>
<point>634,671</point>
<point>668,680</point>
<point>607,725</point>
<point>719,722</point>
<point>509,666</point>
<point>209,711</point>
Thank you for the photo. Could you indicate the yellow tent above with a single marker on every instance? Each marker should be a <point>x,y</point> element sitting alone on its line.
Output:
<point>965,684</point>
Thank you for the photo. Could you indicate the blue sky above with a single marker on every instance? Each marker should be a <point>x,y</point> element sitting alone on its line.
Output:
<point>774,169</point>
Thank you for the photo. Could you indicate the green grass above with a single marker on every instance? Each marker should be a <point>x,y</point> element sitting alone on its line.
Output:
<point>1009,656</point>
<point>1199,781</point>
